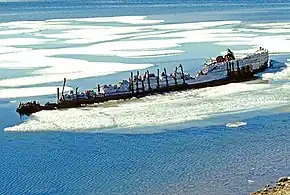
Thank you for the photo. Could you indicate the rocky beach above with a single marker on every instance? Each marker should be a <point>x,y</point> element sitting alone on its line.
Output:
<point>282,187</point>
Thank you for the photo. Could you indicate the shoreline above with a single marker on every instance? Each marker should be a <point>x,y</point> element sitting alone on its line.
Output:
<point>282,187</point>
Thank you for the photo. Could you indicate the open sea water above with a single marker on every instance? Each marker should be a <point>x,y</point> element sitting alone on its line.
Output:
<point>231,139</point>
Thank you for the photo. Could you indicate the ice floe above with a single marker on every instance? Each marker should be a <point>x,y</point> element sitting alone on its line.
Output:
<point>282,75</point>
<point>5,50</point>
<point>23,41</point>
<point>121,19</point>
<point>193,105</point>
<point>74,71</point>
<point>236,124</point>
<point>137,37</point>
<point>29,92</point>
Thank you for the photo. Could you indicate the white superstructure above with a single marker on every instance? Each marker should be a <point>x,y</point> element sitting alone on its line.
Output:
<point>216,69</point>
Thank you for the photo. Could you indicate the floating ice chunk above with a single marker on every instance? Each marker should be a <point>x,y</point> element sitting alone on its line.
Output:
<point>232,88</point>
<point>17,31</point>
<point>236,124</point>
<point>5,50</point>
<point>23,41</point>
<point>156,110</point>
<point>121,19</point>
<point>273,44</point>
<point>148,54</point>
<point>204,35</point>
<point>196,25</point>
<point>75,71</point>
<point>272,24</point>
<point>137,44</point>
<point>29,92</point>
<point>126,41</point>
<point>271,31</point>
<point>233,43</point>
<point>283,75</point>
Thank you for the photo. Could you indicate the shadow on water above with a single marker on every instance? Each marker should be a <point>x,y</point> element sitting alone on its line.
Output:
<point>275,66</point>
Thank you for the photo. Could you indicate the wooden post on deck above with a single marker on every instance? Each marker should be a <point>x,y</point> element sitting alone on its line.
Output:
<point>57,95</point>
<point>233,66</point>
<point>99,89</point>
<point>148,80</point>
<point>230,70</point>
<point>77,93</point>
<point>158,79</point>
<point>137,87</point>
<point>174,76</point>
<point>166,78</point>
<point>132,84</point>
<point>238,68</point>
<point>182,74</point>
<point>142,80</point>
<point>64,82</point>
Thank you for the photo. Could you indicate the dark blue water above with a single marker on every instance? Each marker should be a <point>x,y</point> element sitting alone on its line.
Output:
<point>208,160</point>
<point>199,9</point>
<point>195,160</point>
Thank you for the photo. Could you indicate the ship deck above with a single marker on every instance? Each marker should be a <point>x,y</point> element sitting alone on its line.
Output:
<point>231,74</point>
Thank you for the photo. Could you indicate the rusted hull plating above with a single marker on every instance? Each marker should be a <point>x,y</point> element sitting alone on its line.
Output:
<point>233,77</point>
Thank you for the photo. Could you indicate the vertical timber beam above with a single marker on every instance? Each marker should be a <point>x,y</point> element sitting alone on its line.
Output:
<point>148,80</point>
<point>64,82</point>
<point>174,76</point>
<point>166,79</point>
<point>238,68</point>
<point>132,84</point>
<point>137,87</point>
<point>57,95</point>
<point>99,89</point>
<point>182,74</point>
<point>142,81</point>
<point>157,79</point>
